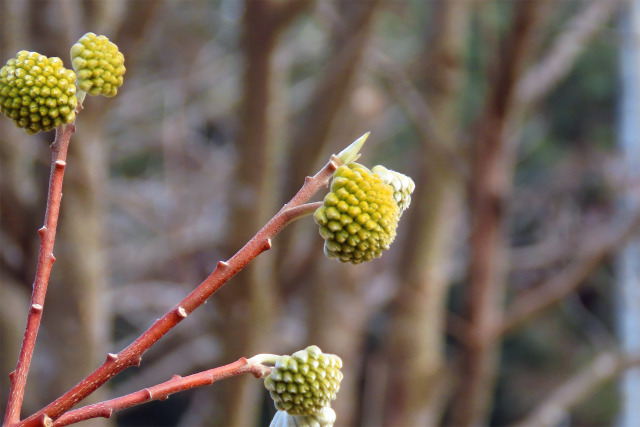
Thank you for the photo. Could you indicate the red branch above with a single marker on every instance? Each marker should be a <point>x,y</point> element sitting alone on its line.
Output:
<point>132,355</point>
<point>46,259</point>
<point>162,391</point>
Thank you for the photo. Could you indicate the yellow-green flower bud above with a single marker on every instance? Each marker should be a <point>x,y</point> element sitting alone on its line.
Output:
<point>359,217</point>
<point>305,382</point>
<point>37,92</point>
<point>99,65</point>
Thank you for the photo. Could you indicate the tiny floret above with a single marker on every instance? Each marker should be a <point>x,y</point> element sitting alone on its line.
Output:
<point>37,92</point>
<point>99,65</point>
<point>402,185</point>
<point>324,418</point>
<point>360,214</point>
<point>305,383</point>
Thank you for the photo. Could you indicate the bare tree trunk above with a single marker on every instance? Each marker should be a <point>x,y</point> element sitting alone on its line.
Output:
<point>490,185</point>
<point>247,306</point>
<point>417,331</point>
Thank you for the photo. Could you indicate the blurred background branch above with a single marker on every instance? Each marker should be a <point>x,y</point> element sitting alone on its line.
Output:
<point>502,274</point>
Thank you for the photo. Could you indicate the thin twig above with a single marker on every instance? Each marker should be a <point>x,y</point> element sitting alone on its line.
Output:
<point>162,391</point>
<point>417,109</point>
<point>560,59</point>
<point>284,13</point>
<point>604,367</point>
<point>132,355</point>
<point>46,259</point>
<point>530,303</point>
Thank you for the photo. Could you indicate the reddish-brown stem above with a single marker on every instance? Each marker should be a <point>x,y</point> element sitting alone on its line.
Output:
<point>225,270</point>
<point>46,259</point>
<point>162,391</point>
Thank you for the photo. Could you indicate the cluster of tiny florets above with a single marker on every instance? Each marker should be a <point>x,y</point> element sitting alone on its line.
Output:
<point>37,92</point>
<point>305,382</point>
<point>99,65</point>
<point>359,216</point>
<point>402,185</point>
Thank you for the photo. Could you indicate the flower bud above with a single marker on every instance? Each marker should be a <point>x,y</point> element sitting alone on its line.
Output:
<point>359,217</point>
<point>37,92</point>
<point>99,65</point>
<point>306,382</point>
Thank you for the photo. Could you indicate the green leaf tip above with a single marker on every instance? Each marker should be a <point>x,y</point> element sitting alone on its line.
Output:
<point>352,152</point>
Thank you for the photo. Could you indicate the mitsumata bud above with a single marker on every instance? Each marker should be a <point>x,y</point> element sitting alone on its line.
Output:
<point>402,185</point>
<point>360,214</point>
<point>99,65</point>
<point>37,92</point>
<point>306,382</point>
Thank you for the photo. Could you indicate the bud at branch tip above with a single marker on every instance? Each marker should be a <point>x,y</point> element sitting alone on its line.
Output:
<point>352,152</point>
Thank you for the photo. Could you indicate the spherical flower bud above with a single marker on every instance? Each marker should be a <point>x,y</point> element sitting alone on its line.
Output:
<point>306,382</point>
<point>402,185</point>
<point>99,65</point>
<point>359,216</point>
<point>37,92</point>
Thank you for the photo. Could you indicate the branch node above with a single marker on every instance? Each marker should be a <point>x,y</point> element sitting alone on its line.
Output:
<point>42,231</point>
<point>223,264</point>
<point>267,244</point>
<point>46,420</point>
<point>334,163</point>
<point>112,357</point>
<point>52,257</point>
<point>176,377</point>
<point>61,163</point>
<point>181,312</point>
<point>138,361</point>
<point>148,393</point>
<point>36,308</point>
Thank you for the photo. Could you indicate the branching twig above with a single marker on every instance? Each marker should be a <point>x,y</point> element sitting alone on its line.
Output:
<point>162,391</point>
<point>45,263</point>
<point>560,59</point>
<point>532,302</point>
<point>419,112</point>
<point>603,368</point>
<point>132,355</point>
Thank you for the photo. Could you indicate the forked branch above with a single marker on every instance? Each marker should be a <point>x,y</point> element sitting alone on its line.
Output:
<point>162,391</point>
<point>132,355</point>
<point>46,259</point>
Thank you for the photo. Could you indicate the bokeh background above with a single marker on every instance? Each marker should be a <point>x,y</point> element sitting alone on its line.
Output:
<point>502,300</point>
